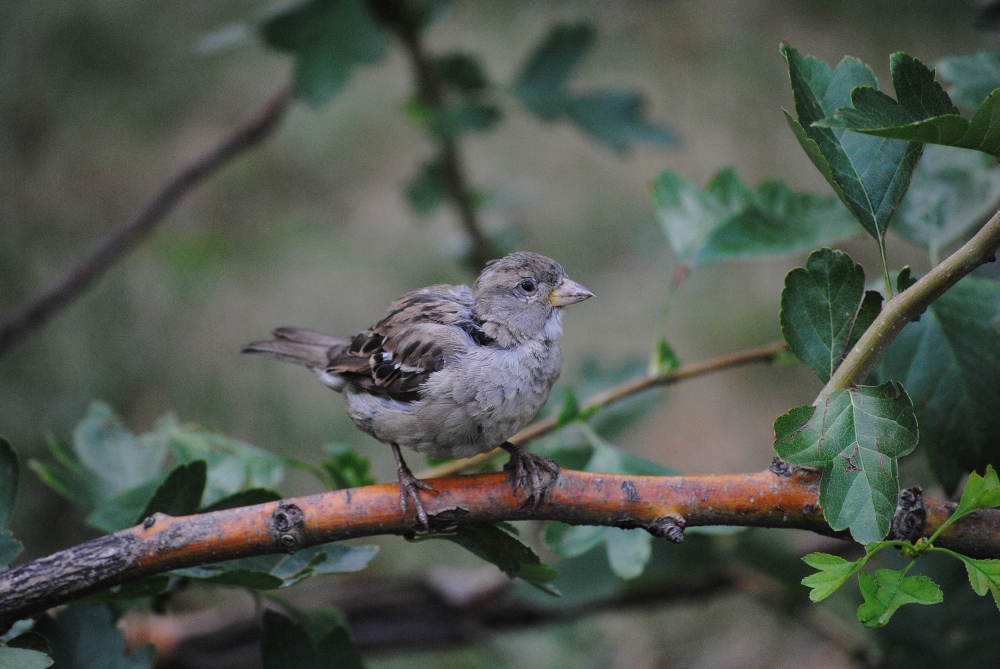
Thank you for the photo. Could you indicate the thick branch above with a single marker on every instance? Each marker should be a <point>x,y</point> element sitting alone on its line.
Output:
<point>912,302</point>
<point>90,269</point>
<point>662,505</point>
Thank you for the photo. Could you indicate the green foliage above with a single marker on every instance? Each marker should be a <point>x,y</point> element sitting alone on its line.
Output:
<point>889,589</point>
<point>84,636</point>
<point>954,387</point>
<point>923,112</point>
<point>973,76</point>
<point>346,468</point>
<point>614,117</point>
<point>319,640</point>
<point>328,38</point>
<point>22,658</point>
<point>869,174</point>
<point>825,310</point>
<point>729,221</point>
<point>856,435</point>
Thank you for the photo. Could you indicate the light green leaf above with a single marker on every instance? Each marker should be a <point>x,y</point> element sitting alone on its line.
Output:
<point>832,572</point>
<point>890,589</point>
<point>869,174</point>
<point>984,576</point>
<point>856,435</point>
<point>729,221</point>
<point>981,492</point>
<point>825,310</point>
<point>328,38</point>
<point>628,551</point>
<point>973,76</point>
<point>22,658</point>
<point>949,362</point>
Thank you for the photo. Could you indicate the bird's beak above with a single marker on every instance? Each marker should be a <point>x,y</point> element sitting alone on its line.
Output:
<point>568,292</point>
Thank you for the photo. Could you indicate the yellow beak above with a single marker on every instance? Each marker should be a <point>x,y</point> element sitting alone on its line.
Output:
<point>568,292</point>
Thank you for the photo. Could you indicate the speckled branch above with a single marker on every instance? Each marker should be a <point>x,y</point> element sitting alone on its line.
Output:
<point>662,505</point>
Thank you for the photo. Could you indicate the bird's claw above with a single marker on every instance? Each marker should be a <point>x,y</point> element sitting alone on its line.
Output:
<point>410,487</point>
<point>533,474</point>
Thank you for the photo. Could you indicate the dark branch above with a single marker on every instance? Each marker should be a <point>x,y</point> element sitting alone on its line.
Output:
<point>90,269</point>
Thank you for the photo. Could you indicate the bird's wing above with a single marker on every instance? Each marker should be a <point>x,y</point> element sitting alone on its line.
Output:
<point>423,332</point>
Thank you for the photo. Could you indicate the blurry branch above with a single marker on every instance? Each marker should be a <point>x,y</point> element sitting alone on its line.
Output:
<point>399,16</point>
<point>90,269</point>
<point>662,505</point>
<point>763,354</point>
<point>910,303</point>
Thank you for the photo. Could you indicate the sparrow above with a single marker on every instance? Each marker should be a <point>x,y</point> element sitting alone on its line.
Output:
<point>451,371</point>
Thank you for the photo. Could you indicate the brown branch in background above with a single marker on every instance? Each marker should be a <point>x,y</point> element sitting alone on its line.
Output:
<point>763,354</point>
<point>89,270</point>
<point>400,18</point>
<point>661,505</point>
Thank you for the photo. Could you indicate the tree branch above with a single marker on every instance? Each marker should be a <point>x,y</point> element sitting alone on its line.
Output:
<point>89,270</point>
<point>662,505</point>
<point>910,303</point>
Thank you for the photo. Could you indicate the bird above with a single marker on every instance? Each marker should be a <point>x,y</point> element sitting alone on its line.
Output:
<point>451,371</point>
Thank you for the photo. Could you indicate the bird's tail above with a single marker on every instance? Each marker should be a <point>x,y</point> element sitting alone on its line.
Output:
<point>298,346</point>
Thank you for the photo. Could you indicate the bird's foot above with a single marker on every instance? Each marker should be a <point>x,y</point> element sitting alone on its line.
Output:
<point>533,474</point>
<point>410,487</point>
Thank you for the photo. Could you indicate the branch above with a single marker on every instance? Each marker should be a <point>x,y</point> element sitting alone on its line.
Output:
<point>910,303</point>
<point>763,354</point>
<point>399,17</point>
<point>89,270</point>
<point>662,505</point>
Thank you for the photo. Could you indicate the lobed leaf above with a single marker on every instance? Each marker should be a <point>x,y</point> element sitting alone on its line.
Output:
<point>832,572</point>
<point>984,576</point>
<point>825,310</point>
<point>856,435</point>
<point>890,589</point>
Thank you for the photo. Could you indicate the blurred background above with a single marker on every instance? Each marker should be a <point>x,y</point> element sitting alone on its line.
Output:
<point>100,101</point>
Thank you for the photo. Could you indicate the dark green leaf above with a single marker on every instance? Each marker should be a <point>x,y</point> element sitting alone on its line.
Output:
<point>923,113</point>
<point>22,658</point>
<point>121,511</point>
<point>346,468</point>
<point>328,39</point>
<point>250,497</point>
<point>457,119</point>
<point>29,640</point>
<point>9,479</point>
<point>832,572</point>
<point>428,190</point>
<point>540,85</point>
<point>180,494</point>
<point>890,589</point>
<point>462,72</point>
<point>973,76</point>
<point>952,193</point>
<point>869,174</point>
<point>320,642</point>
<point>904,279</point>
<point>856,435</point>
<point>616,118</point>
<point>949,362</point>
<point>147,587</point>
<point>10,548</point>
<point>499,544</point>
<point>825,310</point>
<point>729,221</point>
<point>84,636</point>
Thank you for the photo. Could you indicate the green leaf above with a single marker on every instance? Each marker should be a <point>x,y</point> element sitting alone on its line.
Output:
<point>869,174</point>
<point>729,221</point>
<point>454,120</point>
<point>328,39</point>
<point>981,492</point>
<point>499,544</point>
<point>462,72</point>
<point>832,572</point>
<point>949,362</point>
<point>665,359</point>
<point>984,576</point>
<point>268,572</point>
<point>84,636</point>
<point>973,76</point>
<point>904,279</point>
<point>427,191</point>
<point>890,589</point>
<point>22,658</point>
<point>825,310</point>
<point>570,410</point>
<point>923,113</point>
<point>9,478</point>
<point>10,548</point>
<point>614,117</point>
<point>320,641</point>
<point>121,511</point>
<point>180,494</point>
<point>953,192</point>
<point>856,435</point>
<point>346,468</point>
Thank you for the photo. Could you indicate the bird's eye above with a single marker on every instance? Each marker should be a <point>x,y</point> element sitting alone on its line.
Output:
<point>527,286</point>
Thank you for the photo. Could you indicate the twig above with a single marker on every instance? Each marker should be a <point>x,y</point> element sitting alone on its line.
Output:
<point>399,16</point>
<point>89,270</point>
<point>622,391</point>
<point>662,505</point>
<point>910,303</point>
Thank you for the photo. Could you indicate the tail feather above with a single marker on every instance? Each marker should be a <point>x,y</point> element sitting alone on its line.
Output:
<point>298,346</point>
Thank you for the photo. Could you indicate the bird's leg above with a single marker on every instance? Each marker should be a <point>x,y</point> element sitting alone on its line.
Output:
<point>408,487</point>
<point>533,474</point>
